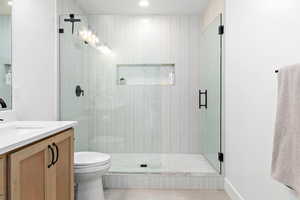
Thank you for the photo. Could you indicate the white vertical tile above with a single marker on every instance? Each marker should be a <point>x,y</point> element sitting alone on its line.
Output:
<point>146,119</point>
<point>142,181</point>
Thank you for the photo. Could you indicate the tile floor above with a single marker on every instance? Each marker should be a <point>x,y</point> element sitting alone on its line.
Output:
<point>165,195</point>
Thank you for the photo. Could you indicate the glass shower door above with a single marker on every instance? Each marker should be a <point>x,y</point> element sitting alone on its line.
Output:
<point>210,95</point>
<point>74,93</point>
<point>120,110</point>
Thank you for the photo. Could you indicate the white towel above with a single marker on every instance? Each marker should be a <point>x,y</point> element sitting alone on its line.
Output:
<point>286,153</point>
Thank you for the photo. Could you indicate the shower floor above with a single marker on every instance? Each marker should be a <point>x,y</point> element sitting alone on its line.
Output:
<point>192,164</point>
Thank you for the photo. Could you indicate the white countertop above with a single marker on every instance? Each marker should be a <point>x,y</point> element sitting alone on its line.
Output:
<point>17,134</point>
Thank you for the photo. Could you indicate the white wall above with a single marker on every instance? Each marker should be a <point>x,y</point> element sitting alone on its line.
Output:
<point>261,35</point>
<point>68,7</point>
<point>146,119</point>
<point>213,9</point>
<point>34,59</point>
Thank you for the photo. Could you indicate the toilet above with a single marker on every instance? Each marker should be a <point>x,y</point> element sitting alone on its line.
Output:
<point>89,167</point>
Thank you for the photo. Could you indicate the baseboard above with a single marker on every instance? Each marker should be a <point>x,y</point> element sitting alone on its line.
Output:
<point>232,191</point>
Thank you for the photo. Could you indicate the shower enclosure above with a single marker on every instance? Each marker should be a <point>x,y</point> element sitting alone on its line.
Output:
<point>141,103</point>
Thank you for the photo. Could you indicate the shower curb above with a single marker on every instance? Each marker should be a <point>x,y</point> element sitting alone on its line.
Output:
<point>161,181</point>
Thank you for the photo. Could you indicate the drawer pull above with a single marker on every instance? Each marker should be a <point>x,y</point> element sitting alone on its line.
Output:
<point>57,153</point>
<point>52,155</point>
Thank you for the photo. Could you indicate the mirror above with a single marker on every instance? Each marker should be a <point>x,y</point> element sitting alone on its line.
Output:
<point>5,55</point>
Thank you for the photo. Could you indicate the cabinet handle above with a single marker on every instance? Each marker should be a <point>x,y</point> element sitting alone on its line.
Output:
<point>52,153</point>
<point>57,153</point>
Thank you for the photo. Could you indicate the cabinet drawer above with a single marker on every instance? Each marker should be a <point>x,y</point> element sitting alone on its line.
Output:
<point>2,177</point>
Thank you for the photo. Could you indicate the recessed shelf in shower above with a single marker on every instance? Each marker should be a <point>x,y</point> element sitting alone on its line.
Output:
<point>146,74</point>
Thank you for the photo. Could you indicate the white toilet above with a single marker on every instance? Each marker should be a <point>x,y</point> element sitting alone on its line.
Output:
<point>89,168</point>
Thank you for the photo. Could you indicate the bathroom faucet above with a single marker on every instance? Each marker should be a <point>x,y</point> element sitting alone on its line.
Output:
<point>2,103</point>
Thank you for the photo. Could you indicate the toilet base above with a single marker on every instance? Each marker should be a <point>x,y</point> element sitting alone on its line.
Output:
<point>91,189</point>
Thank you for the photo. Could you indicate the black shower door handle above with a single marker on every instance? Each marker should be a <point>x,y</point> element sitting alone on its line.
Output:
<point>200,99</point>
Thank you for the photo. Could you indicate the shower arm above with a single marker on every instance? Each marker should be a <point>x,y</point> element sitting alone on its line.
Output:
<point>72,20</point>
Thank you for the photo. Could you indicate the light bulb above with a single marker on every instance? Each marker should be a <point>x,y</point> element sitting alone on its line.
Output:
<point>94,39</point>
<point>105,50</point>
<point>144,3</point>
<point>10,3</point>
<point>83,34</point>
<point>97,40</point>
<point>89,33</point>
<point>146,20</point>
<point>89,36</point>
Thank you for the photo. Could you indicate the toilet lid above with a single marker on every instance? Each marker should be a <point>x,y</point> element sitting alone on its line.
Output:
<point>90,158</point>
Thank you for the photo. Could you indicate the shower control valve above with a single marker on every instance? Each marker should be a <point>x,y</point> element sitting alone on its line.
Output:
<point>78,91</point>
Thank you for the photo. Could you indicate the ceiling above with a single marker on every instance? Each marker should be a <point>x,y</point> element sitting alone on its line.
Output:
<point>163,7</point>
<point>5,9</point>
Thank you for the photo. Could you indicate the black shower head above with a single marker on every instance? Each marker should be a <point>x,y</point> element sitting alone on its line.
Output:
<point>72,20</point>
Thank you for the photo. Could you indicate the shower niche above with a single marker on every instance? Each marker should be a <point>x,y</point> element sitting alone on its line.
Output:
<point>146,74</point>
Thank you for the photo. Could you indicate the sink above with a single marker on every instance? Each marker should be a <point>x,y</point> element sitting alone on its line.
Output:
<point>17,128</point>
<point>29,127</point>
<point>15,134</point>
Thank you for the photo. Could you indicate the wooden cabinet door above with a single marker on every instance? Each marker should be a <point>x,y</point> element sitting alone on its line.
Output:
<point>2,177</point>
<point>29,173</point>
<point>64,145</point>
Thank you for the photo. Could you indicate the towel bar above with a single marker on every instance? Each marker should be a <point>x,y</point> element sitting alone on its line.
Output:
<point>290,187</point>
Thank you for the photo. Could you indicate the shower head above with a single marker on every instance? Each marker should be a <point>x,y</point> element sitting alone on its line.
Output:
<point>72,20</point>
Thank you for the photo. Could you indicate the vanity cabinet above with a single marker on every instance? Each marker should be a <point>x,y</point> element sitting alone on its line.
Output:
<point>41,171</point>
<point>64,182</point>
<point>2,177</point>
<point>29,172</point>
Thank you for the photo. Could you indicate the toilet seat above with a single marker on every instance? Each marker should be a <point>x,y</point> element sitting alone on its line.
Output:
<point>92,169</point>
<point>90,159</point>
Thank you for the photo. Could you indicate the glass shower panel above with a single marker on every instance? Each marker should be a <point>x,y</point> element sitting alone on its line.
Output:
<point>74,96</point>
<point>211,81</point>
<point>122,120</point>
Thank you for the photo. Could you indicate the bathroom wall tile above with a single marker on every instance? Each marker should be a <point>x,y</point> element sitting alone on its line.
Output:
<point>145,119</point>
<point>144,181</point>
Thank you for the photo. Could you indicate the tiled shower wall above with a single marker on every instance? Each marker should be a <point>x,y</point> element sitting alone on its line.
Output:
<point>145,119</point>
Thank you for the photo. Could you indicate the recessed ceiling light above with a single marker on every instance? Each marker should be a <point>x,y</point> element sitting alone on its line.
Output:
<point>10,3</point>
<point>144,3</point>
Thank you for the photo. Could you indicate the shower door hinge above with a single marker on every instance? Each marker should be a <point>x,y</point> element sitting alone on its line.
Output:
<point>221,157</point>
<point>221,29</point>
<point>61,30</point>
